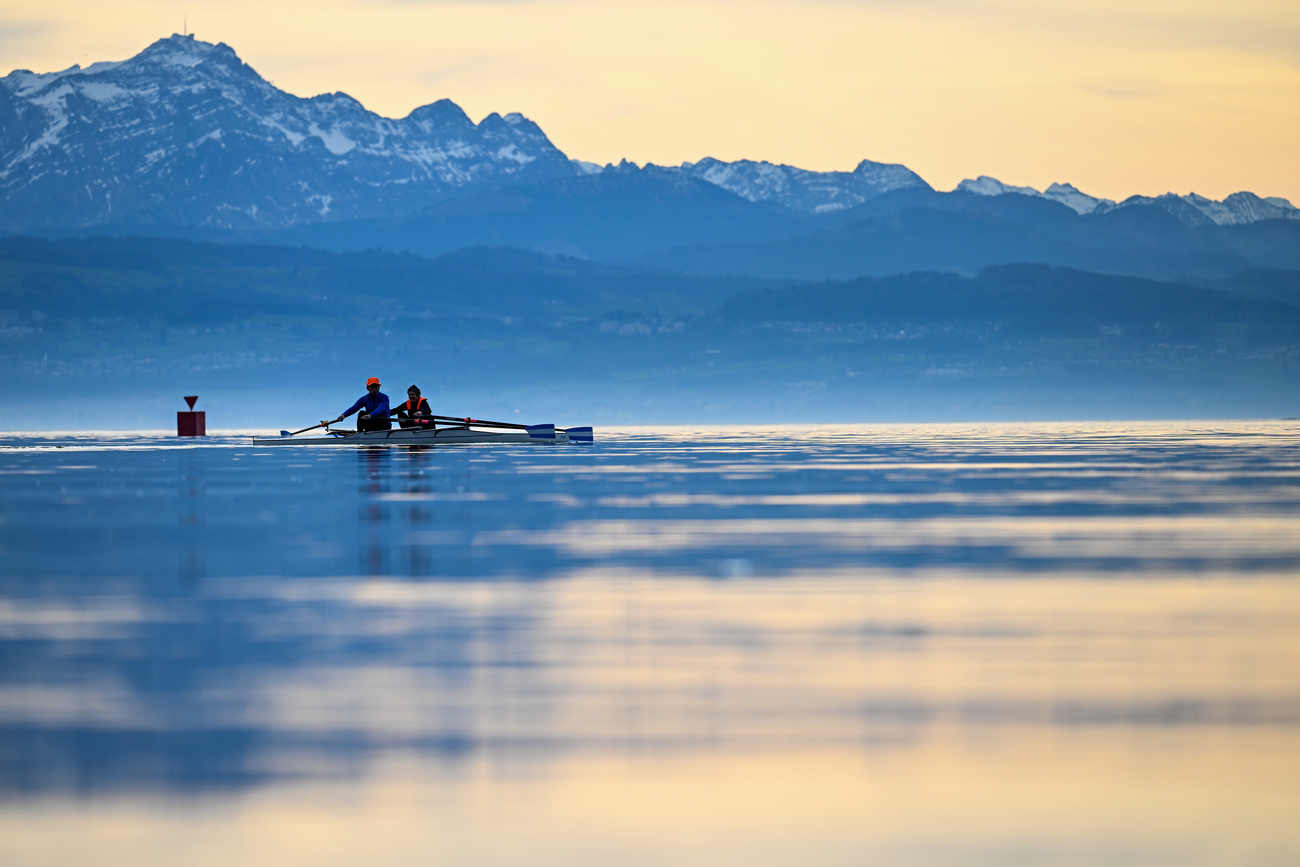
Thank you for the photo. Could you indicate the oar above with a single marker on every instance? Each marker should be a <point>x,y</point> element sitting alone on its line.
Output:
<point>480,422</point>
<point>575,434</point>
<point>285,433</point>
<point>477,421</point>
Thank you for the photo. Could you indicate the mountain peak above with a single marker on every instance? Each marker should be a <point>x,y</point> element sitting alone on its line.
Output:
<point>187,133</point>
<point>185,51</point>
<point>175,51</point>
<point>987,186</point>
<point>1066,194</point>
<point>443,112</point>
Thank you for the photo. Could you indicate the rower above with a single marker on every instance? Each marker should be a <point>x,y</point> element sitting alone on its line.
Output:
<point>415,412</point>
<point>374,407</point>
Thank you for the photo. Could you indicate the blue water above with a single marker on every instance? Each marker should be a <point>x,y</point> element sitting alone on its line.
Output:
<point>1073,624</point>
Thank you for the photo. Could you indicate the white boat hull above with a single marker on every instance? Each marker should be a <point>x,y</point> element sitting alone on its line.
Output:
<point>545,434</point>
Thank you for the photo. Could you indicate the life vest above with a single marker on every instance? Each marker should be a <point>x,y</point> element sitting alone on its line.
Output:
<point>413,410</point>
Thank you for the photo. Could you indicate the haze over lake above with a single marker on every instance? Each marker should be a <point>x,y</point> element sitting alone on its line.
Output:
<point>933,644</point>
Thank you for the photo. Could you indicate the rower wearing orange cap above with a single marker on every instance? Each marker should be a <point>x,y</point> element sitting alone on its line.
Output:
<point>374,409</point>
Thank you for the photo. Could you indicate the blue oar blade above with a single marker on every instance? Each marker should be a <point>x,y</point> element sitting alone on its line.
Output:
<point>542,431</point>
<point>581,435</point>
<point>284,433</point>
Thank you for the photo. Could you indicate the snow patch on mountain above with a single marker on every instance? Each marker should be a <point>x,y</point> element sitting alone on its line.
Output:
<point>102,92</point>
<point>335,141</point>
<point>511,152</point>
<point>295,138</point>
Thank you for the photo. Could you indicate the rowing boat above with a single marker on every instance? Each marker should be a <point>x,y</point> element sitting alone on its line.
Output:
<point>453,435</point>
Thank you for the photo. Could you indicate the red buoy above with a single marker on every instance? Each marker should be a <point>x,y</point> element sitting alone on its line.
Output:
<point>191,424</point>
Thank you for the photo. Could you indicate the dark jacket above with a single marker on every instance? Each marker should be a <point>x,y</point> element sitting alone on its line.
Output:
<point>421,405</point>
<point>376,404</point>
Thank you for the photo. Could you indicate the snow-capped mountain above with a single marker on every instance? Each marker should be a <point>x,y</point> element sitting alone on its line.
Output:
<point>803,190</point>
<point>1194,210</point>
<point>186,133</point>
<point>1066,194</point>
<point>1235,210</point>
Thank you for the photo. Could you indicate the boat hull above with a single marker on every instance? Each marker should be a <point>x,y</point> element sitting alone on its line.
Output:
<point>420,437</point>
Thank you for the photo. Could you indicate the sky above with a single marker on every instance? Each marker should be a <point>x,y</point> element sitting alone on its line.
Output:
<point>1118,97</point>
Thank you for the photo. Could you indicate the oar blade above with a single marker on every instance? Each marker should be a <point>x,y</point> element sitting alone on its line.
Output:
<point>544,432</point>
<point>581,435</point>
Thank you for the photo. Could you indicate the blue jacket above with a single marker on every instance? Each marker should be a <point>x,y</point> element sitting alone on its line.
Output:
<point>376,405</point>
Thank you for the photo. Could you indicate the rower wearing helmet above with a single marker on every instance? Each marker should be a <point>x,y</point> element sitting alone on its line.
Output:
<point>415,412</point>
<point>374,409</point>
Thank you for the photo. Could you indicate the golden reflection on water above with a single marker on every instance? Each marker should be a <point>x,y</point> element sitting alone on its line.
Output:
<point>647,664</point>
<point>1219,797</point>
<point>914,718</point>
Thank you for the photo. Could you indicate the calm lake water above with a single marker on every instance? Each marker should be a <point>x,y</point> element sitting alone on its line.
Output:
<point>905,645</point>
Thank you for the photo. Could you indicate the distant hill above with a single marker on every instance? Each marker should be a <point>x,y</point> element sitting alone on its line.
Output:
<point>1030,301</point>
<point>114,318</point>
<point>168,281</point>
<point>1263,283</point>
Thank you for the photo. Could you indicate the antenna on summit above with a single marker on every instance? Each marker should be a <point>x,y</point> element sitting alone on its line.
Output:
<point>185,25</point>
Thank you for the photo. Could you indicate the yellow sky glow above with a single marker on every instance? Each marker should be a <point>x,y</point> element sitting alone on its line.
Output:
<point>1116,97</point>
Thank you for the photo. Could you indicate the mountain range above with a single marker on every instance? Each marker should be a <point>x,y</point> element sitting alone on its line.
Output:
<point>185,134</point>
<point>1235,210</point>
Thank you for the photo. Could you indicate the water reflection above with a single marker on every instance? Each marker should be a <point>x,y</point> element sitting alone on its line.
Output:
<point>1075,642</point>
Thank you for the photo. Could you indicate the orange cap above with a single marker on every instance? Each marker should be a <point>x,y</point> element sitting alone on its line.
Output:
<point>374,380</point>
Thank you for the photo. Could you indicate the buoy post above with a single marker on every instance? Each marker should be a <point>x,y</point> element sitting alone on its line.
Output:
<point>191,424</point>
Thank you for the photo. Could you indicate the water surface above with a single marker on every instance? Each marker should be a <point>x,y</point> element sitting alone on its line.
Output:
<point>1035,644</point>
